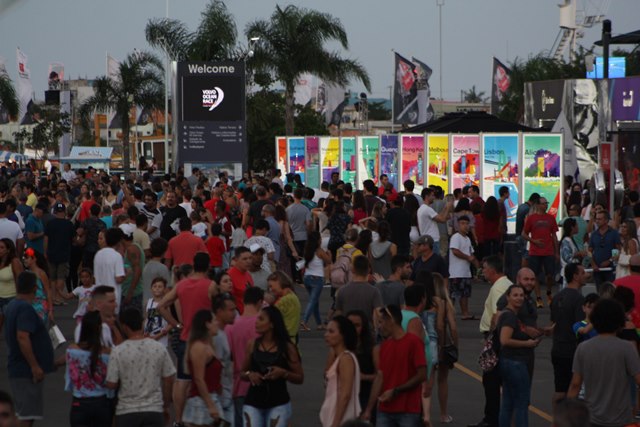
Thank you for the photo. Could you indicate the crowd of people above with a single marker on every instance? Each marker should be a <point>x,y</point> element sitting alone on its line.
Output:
<point>188,311</point>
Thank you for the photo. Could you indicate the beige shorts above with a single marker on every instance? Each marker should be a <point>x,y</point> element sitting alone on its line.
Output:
<point>58,271</point>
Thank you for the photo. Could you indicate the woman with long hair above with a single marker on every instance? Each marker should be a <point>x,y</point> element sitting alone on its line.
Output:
<point>516,360</point>
<point>288,249</point>
<point>10,269</point>
<point>364,354</point>
<point>358,207</point>
<point>447,344</point>
<point>338,224</point>
<point>321,216</point>
<point>270,361</point>
<point>86,376</point>
<point>365,238</point>
<point>569,251</point>
<point>381,252</point>
<point>628,235</point>
<point>43,302</point>
<point>281,287</point>
<point>342,376</point>
<point>203,406</point>
<point>315,260</point>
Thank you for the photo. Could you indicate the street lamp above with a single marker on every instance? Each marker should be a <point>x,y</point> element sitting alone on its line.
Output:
<point>440,3</point>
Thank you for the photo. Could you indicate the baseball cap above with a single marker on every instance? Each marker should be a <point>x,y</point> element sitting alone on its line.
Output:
<point>59,207</point>
<point>425,240</point>
<point>127,229</point>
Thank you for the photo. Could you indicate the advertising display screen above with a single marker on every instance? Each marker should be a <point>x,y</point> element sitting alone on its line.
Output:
<point>389,158</point>
<point>296,156</point>
<point>465,160</point>
<point>281,155</point>
<point>413,160</point>
<point>542,169</point>
<point>500,168</point>
<point>349,160</point>
<point>313,162</point>
<point>329,157</point>
<point>438,166</point>
<point>211,118</point>
<point>368,159</point>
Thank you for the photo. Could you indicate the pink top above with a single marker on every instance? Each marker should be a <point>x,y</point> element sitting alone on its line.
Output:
<point>239,334</point>
<point>328,409</point>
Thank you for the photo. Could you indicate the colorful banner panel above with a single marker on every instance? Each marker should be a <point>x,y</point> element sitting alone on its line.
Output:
<point>500,169</point>
<point>329,157</point>
<point>413,160</point>
<point>349,160</point>
<point>313,162</point>
<point>465,160</point>
<point>368,159</point>
<point>542,169</point>
<point>439,161</point>
<point>281,155</point>
<point>389,158</point>
<point>296,156</point>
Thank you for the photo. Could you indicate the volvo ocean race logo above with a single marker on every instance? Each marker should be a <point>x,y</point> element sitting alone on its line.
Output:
<point>211,98</point>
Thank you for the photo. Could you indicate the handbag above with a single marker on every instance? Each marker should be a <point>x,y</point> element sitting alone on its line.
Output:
<point>449,354</point>
<point>490,353</point>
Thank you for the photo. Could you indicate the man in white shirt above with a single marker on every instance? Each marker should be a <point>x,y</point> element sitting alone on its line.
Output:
<point>460,260</point>
<point>10,229</point>
<point>428,217</point>
<point>108,265</point>
<point>67,173</point>
<point>278,178</point>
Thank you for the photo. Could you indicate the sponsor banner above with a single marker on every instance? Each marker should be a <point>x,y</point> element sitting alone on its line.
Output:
<point>438,161</point>
<point>368,159</point>
<point>625,99</point>
<point>113,68</point>
<point>500,82</point>
<point>405,97</point>
<point>313,162</point>
<point>211,117</point>
<point>304,90</point>
<point>25,88</point>
<point>413,160</point>
<point>465,158</point>
<point>281,154</point>
<point>543,102</point>
<point>389,158</point>
<point>425,109</point>
<point>296,156</point>
<point>500,169</point>
<point>542,172</point>
<point>329,157</point>
<point>56,75</point>
<point>349,162</point>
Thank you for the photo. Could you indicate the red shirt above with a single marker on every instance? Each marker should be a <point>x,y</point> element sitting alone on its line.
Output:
<point>193,295</point>
<point>85,209</point>
<point>215,246</point>
<point>541,227</point>
<point>632,282</point>
<point>210,205</point>
<point>241,281</point>
<point>184,247</point>
<point>399,361</point>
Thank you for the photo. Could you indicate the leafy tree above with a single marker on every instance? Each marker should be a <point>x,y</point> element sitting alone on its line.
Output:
<point>44,136</point>
<point>139,83</point>
<point>8,97</point>
<point>472,96</point>
<point>215,38</point>
<point>292,42</point>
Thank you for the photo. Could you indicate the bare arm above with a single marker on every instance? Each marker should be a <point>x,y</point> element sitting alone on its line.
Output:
<point>24,342</point>
<point>198,356</point>
<point>163,306</point>
<point>574,387</point>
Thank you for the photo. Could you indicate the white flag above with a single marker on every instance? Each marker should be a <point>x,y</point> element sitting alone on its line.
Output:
<point>304,89</point>
<point>113,68</point>
<point>25,89</point>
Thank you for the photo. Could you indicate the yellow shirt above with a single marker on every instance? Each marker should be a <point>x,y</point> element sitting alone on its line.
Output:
<point>289,306</point>
<point>32,200</point>
<point>491,303</point>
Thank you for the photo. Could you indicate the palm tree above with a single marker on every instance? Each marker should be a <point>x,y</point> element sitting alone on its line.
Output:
<point>214,39</point>
<point>139,83</point>
<point>8,97</point>
<point>472,96</point>
<point>292,42</point>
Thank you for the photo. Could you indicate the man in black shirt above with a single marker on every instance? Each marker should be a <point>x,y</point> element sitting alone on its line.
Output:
<point>429,260</point>
<point>171,214</point>
<point>400,222</point>
<point>89,231</point>
<point>58,236</point>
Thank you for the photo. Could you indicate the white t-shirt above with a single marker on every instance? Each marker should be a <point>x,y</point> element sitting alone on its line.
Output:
<point>107,265</point>
<point>426,224</point>
<point>155,322</point>
<point>278,181</point>
<point>266,244</point>
<point>458,267</point>
<point>68,175</point>
<point>139,365</point>
<point>199,229</point>
<point>187,207</point>
<point>84,296</point>
<point>10,230</point>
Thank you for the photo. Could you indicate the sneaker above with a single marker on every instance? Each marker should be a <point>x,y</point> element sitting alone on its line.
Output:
<point>539,302</point>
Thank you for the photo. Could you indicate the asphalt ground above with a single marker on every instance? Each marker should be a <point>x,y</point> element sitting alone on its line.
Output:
<point>466,398</point>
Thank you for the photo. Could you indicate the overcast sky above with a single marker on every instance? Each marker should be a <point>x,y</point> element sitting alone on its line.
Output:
<point>78,33</point>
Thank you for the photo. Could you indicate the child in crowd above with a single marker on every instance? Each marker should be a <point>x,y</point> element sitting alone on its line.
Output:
<point>216,247</point>
<point>584,329</point>
<point>83,293</point>
<point>238,235</point>
<point>156,326</point>
<point>198,228</point>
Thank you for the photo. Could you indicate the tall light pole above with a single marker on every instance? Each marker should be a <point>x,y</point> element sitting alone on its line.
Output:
<point>440,3</point>
<point>167,76</point>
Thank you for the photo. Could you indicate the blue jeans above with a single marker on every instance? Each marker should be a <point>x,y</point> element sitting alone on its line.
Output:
<point>314,285</point>
<point>400,419</point>
<point>277,416</point>
<point>516,393</point>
